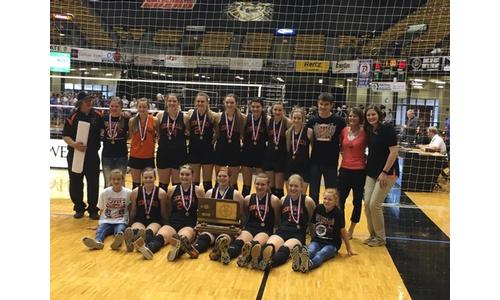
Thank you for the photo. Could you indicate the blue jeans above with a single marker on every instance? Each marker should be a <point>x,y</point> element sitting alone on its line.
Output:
<point>106,229</point>
<point>110,163</point>
<point>319,253</point>
<point>330,175</point>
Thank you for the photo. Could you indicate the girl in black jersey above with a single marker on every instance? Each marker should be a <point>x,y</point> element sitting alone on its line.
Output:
<point>276,152</point>
<point>180,209</point>
<point>298,140</point>
<point>229,126</point>
<point>172,148</point>
<point>147,213</point>
<point>201,141</point>
<point>115,151</point>
<point>222,191</point>
<point>261,213</point>
<point>296,212</point>
<point>254,143</point>
<point>328,230</point>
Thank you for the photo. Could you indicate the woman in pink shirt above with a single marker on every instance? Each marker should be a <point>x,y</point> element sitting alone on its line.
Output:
<point>352,169</point>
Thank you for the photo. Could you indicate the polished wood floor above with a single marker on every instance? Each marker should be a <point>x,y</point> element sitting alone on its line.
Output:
<point>77,273</point>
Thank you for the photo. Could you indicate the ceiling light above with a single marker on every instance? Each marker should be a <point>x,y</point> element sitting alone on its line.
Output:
<point>349,80</point>
<point>320,81</point>
<point>170,76</point>
<point>440,87</point>
<point>419,80</point>
<point>280,79</point>
<point>162,74</point>
<point>94,69</point>
<point>196,75</point>
<point>208,77</point>
<point>341,86</point>
<point>418,87</point>
<point>439,82</point>
<point>86,73</point>
<point>61,34</point>
<point>109,74</point>
<point>202,76</point>
<point>416,84</point>
<point>155,73</point>
<point>82,69</point>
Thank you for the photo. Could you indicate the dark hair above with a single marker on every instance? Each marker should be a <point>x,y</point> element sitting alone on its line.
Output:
<point>368,127</point>
<point>326,97</point>
<point>261,102</point>
<point>358,112</point>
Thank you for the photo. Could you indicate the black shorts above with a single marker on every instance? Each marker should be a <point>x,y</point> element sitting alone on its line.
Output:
<point>228,154</point>
<point>253,156</point>
<point>286,235</point>
<point>141,163</point>
<point>275,161</point>
<point>201,153</point>
<point>179,225</point>
<point>255,230</point>
<point>171,158</point>
<point>146,222</point>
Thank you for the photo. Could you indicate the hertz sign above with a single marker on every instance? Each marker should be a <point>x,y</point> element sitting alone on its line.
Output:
<point>312,66</point>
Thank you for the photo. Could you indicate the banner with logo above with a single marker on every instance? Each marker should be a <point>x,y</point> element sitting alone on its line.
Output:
<point>425,63</point>
<point>364,73</point>
<point>446,63</point>
<point>169,4</point>
<point>58,153</point>
<point>345,67</point>
<point>249,11</point>
<point>312,66</point>
<point>246,64</point>
<point>60,48</point>
<point>388,86</point>
<point>212,62</point>
<point>283,65</point>
<point>101,56</point>
<point>178,61</point>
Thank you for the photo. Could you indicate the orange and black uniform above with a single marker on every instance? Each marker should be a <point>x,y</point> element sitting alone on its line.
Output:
<point>228,153</point>
<point>91,162</point>
<point>142,155</point>
<point>179,216</point>
<point>276,154</point>
<point>154,213</point>
<point>201,149</point>
<point>172,150</point>
<point>254,225</point>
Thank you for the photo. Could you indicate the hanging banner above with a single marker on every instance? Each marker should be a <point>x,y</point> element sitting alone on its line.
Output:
<point>446,63</point>
<point>284,65</point>
<point>246,64</point>
<point>58,153</point>
<point>169,4</point>
<point>388,86</point>
<point>248,11</point>
<point>212,62</point>
<point>101,56</point>
<point>312,66</point>
<point>345,67</point>
<point>60,48</point>
<point>364,73</point>
<point>429,63</point>
<point>178,61</point>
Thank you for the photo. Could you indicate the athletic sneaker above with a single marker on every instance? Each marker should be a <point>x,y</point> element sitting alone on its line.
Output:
<point>175,250</point>
<point>117,241</point>
<point>368,240</point>
<point>255,254</point>
<point>92,244</point>
<point>376,242</point>
<point>304,260</point>
<point>296,256</point>
<point>215,253</point>
<point>128,236</point>
<point>223,249</point>
<point>265,263</point>
<point>140,233</point>
<point>244,258</point>
<point>188,247</point>
<point>141,247</point>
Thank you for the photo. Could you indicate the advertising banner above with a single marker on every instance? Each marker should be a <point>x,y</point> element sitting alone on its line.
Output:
<point>101,56</point>
<point>246,64</point>
<point>388,86</point>
<point>345,66</point>
<point>312,66</point>
<point>364,73</point>
<point>425,63</point>
<point>284,65</point>
<point>169,4</point>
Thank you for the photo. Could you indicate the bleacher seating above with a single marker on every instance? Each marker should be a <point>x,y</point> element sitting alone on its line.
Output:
<point>215,43</point>
<point>257,44</point>
<point>167,37</point>
<point>309,46</point>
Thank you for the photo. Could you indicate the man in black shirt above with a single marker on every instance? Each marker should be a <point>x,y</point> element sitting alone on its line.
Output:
<point>325,147</point>
<point>86,113</point>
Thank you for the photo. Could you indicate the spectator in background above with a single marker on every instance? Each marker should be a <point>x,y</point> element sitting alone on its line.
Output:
<point>160,100</point>
<point>388,117</point>
<point>125,101</point>
<point>411,127</point>
<point>133,105</point>
<point>437,143</point>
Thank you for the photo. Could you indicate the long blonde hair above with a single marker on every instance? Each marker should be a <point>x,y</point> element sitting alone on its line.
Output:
<point>290,130</point>
<point>135,120</point>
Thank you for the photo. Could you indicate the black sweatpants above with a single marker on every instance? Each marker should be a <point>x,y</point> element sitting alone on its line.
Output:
<point>91,172</point>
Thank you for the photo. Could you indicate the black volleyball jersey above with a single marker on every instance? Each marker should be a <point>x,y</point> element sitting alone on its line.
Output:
<point>302,154</point>
<point>177,136</point>
<point>274,130</point>
<point>178,212</point>
<point>223,130</point>
<point>115,137</point>
<point>253,215</point>
<point>155,212</point>
<point>216,194</point>
<point>287,221</point>
<point>196,128</point>
<point>260,132</point>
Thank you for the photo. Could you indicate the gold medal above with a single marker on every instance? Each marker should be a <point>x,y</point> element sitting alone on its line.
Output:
<point>229,141</point>
<point>141,144</point>
<point>187,214</point>
<point>293,156</point>
<point>148,217</point>
<point>298,226</point>
<point>201,137</point>
<point>113,142</point>
<point>276,147</point>
<point>262,224</point>
<point>255,143</point>
<point>169,137</point>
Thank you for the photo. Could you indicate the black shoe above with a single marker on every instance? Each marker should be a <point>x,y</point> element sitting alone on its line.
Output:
<point>78,215</point>
<point>93,216</point>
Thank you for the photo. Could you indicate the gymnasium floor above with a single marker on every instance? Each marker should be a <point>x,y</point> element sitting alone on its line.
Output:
<point>414,265</point>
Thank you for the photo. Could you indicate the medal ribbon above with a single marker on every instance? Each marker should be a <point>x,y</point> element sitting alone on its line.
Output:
<point>148,210</point>
<point>229,133</point>
<point>261,218</point>
<point>298,210</point>
<point>190,197</point>
<point>295,146</point>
